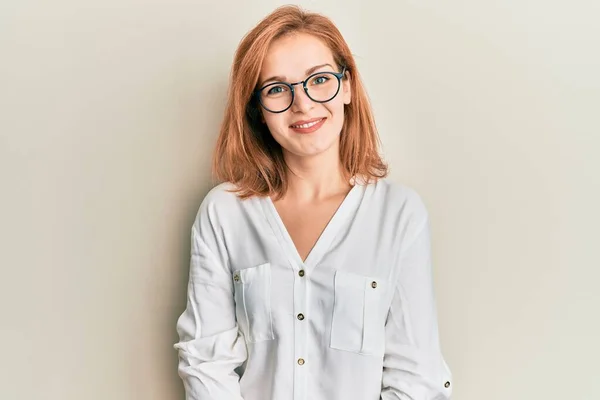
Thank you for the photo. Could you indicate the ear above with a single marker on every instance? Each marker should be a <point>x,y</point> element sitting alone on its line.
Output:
<point>347,88</point>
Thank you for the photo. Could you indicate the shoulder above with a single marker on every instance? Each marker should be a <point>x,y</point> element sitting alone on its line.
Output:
<point>402,207</point>
<point>395,197</point>
<point>223,194</point>
<point>219,204</point>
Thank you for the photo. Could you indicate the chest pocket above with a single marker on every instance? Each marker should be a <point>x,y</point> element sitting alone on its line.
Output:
<point>252,291</point>
<point>359,312</point>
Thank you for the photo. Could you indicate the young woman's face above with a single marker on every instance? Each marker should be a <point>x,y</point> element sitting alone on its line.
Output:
<point>292,59</point>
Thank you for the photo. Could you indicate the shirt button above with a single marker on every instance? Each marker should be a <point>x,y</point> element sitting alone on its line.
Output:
<point>300,316</point>
<point>373,284</point>
<point>447,384</point>
<point>301,272</point>
<point>301,361</point>
<point>236,278</point>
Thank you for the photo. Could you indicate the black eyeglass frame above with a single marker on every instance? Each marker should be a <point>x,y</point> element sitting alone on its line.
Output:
<point>338,75</point>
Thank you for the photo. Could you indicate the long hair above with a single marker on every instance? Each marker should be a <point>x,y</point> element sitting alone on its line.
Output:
<point>246,154</point>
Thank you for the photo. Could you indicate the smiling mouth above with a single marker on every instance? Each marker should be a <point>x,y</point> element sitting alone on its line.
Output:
<point>307,125</point>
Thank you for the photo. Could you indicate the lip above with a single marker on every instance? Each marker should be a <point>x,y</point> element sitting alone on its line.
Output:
<point>312,128</point>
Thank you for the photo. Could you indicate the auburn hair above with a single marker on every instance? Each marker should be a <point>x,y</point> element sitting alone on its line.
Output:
<point>246,154</point>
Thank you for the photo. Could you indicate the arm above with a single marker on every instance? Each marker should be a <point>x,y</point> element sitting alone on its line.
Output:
<point>414,368</point>
<point>210,348</point>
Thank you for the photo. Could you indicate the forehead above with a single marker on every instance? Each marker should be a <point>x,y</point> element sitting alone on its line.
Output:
<point>291,55</point>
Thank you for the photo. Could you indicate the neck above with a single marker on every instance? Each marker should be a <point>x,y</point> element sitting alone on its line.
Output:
<point>316,178</point>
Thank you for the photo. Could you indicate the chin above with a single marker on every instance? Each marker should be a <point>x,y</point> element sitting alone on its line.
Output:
<point>314,149</point>
<point>309,144</point>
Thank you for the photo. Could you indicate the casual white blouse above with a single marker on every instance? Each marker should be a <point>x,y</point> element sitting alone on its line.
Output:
<point>356,321</point>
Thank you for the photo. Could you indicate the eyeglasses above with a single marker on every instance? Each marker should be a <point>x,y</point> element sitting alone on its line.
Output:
<point>320,87</point>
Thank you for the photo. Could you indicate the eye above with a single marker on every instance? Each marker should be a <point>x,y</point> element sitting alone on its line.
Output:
<point>277,89</point>
<point>319,80</point>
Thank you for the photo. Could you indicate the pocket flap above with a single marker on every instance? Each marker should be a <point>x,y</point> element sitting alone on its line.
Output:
<point>253,274</point>
<point>357,281</point>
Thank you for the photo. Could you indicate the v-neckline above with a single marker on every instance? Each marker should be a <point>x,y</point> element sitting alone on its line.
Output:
<point>320,247</point>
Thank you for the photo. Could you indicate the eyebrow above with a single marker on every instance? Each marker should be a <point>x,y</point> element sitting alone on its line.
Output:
<point>280,78</point>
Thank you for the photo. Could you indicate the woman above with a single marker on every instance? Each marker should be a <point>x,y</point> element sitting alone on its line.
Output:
<point>310,273</point>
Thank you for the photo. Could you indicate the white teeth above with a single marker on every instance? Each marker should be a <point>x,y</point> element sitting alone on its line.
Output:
<point>304,126</point>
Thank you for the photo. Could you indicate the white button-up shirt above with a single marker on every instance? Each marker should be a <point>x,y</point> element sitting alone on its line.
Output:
<point>355,321</point>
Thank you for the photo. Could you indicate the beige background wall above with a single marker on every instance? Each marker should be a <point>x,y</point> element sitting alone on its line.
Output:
<point>108,114</point>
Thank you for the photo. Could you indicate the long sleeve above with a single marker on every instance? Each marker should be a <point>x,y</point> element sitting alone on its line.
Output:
<point>210,347</point>
<point>414,367</point>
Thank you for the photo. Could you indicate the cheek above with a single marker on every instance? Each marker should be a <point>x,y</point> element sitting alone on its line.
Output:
<point>274,122</point>
<point>337,111</point>
<point>277,126</point>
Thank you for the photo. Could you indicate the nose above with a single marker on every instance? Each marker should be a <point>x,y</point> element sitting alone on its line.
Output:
<point>302,103</point>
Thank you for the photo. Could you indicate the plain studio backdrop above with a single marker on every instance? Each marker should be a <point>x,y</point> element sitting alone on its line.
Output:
<point>108,115</point>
